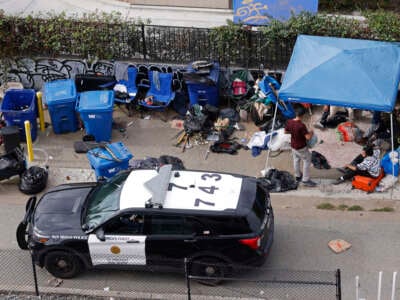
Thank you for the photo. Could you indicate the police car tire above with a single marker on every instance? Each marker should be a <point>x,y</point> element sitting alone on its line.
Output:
<point>21,236</point>
<point>199,268</point>
<point>72,269</point>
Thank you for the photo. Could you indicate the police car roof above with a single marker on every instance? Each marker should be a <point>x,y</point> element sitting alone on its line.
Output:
<point>194,190</point>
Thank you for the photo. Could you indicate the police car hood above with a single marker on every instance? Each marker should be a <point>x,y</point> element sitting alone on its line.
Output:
<point>59,210</point>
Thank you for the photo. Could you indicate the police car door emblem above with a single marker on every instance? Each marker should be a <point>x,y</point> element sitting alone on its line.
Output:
<point>115,249</point>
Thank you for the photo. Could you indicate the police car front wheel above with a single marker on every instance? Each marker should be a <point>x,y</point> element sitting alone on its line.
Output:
<point>62,264</point>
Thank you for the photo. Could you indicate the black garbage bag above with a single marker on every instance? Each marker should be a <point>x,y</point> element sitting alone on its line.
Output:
<point>225,147</point>
<point>33,180</point>
<point>176,162</point>
<point>193,123</point>
<point>278,181</point>
<point>147,163</point>
<point>155,163</point>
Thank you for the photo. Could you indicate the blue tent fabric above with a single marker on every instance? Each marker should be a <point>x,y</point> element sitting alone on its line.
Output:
<point>353,73</point>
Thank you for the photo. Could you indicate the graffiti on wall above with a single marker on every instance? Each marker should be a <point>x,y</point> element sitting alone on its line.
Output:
<point>32,73</point>
<point>261,12</point>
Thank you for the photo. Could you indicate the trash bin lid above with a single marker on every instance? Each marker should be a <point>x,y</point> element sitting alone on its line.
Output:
<point>96,101</point>
<point>59,91</point>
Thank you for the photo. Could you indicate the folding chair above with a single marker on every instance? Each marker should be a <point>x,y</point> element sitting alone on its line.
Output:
<point>160,93</point>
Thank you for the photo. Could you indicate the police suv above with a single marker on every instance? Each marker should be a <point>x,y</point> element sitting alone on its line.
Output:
<point>147,218</point>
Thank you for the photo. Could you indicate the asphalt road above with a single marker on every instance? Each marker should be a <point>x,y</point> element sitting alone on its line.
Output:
<point>301,236</point>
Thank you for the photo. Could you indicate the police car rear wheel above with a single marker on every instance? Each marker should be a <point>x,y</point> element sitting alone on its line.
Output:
<point>212,270</point>
<point>62,264</point>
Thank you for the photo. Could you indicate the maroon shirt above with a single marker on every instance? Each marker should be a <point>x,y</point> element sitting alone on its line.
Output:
<point>298,131</point>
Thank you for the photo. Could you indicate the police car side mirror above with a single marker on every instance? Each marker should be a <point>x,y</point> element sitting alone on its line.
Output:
<point>100,234</point>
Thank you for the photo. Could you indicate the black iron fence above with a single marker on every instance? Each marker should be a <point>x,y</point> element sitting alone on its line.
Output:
<point>19,279</point>
<point>148,43</point>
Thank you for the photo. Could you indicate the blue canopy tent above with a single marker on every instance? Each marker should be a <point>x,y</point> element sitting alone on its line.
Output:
<point>343,72</point>
<point>352,73</point>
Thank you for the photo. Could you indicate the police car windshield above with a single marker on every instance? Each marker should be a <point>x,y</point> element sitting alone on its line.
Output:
<point>104,201</point>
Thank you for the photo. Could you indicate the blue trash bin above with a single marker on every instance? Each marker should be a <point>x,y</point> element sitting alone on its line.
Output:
<point>202,94</point>
<point>60,97</point>
<point>107,165</point>
<point>19,106</point>
<point>95,109</point>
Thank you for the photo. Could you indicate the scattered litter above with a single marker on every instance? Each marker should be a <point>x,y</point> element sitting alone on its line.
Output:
<point>129,124</point>
<point>207,153</point>
<point>213,136</point>
<point>238,126</point>
<point>339,245</point>
<point>177,124</point>
<point>50,157</point>
<point>148,117</point>
<point>68,178</point>
<point>107,289</point>
<point>55,282</point>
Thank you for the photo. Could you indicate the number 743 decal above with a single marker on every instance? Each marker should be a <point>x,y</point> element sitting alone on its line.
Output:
<point>206,189</point>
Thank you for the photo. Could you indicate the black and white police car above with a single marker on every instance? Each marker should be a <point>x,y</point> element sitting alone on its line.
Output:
<point>147,218</point>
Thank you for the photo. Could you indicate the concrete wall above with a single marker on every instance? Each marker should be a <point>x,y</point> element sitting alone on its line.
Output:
<point>215,4</point>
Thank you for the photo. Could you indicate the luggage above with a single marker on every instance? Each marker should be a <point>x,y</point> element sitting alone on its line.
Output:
<point>348,132</point>
<point>365,183</point>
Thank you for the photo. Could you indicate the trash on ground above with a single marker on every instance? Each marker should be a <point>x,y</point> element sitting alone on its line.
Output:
<point>339,246</point>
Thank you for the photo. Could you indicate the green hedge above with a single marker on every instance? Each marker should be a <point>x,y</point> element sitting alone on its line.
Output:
<point>108,36</point>
<point>351,5</point>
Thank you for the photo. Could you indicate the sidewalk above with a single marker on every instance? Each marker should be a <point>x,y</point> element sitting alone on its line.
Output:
<point>158,15</point>
<point>154,137</point>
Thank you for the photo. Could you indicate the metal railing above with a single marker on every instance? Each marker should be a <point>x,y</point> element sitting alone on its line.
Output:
<point>19,277</point>
<point>148,43</point>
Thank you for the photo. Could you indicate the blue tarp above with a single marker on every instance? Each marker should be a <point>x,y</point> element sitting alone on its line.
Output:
<point>343,72</point>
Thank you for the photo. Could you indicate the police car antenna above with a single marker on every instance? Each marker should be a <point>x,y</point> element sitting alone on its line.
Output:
<point>158,187</point>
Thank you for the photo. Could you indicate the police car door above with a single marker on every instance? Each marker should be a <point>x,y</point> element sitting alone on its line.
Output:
<point>121,241</point>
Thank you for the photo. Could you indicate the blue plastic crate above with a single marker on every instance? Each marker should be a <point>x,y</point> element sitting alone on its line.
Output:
<point>95,109</point>
<point>203,94</point>
<point>107,165</point>
<point>19,106</point>
<point>60,96</point>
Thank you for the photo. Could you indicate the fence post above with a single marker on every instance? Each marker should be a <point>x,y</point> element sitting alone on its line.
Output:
<point>394,286</point>
<point>34,275</point>
<point>187,278</point>
<point>338,285</point>
<point>379,285</point>
<point>144,42</point>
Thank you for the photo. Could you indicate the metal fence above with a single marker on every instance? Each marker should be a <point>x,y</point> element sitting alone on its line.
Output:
<point>149,43</point>
<point>241,282</point>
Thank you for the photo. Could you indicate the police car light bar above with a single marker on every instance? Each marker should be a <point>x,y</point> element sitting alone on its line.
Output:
<point>158,187</point>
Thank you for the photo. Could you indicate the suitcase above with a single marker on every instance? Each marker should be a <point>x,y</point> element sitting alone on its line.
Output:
<point>367,184</point>
<point>93,82</point>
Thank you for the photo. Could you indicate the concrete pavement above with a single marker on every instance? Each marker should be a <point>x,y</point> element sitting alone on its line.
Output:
<point>154,137</point>
<point>158,15</point>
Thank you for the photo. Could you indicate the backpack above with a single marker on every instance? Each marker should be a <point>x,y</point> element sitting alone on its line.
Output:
<point>319,161</point>
<point>239,87</point>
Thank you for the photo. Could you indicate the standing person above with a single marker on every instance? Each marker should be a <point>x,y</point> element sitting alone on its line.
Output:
<point>365,164</point>
<point>298,141</point>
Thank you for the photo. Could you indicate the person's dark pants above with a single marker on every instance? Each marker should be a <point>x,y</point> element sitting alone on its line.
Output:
<point>350,173</point>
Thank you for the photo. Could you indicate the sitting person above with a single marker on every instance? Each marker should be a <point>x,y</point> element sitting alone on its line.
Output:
<point>365,164</point>
<point>329,118</point>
